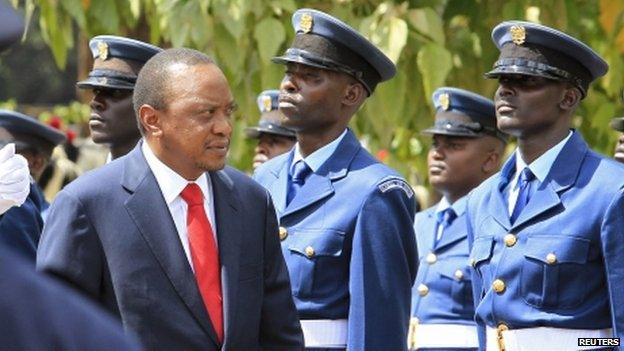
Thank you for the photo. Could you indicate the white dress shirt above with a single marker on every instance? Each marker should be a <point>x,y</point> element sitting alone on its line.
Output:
<point>171,185</point>
<point>459,207</point>
<point>540,168</point>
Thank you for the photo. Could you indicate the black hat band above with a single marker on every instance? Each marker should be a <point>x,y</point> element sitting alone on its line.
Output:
<point>468,128</point>
<point>520,65</point>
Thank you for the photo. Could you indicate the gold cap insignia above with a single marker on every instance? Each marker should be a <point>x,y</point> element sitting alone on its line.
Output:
<point>306,22</point>
<point>102,50</point>
<point>445,101</point>
<point>267,105</point>
<point>518,34</point>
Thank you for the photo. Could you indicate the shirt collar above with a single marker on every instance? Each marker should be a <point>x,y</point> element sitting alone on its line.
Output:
<point>171,183</point>
<point>458,206</point>
<point>316,159</point>
<point>542,165</point>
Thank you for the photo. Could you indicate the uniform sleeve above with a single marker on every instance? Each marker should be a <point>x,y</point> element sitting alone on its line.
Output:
<point>70,248</point>
<point>612,235</point>
<point>477,284</point>
<point>279,326</point>
<point>383,268</point>
<point>20,228</point>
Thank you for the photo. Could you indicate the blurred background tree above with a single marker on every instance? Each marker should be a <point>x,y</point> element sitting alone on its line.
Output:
<point>433,42</point>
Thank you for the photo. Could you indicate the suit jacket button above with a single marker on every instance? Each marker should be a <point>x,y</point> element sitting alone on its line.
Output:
<point>431,258</point>
<point>498,286</point>
<point>309,251</point>
<point>283,233</point>
<point>423,290</point>
<point>551,258</point>
<point>510,240</point>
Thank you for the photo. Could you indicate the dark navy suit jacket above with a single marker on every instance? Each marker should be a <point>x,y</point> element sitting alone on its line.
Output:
<point>110,234</point>
<point>40,314</point>
<point>20,227</point>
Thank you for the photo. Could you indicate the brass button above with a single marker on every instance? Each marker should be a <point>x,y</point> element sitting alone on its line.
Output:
<point>459,274</point>
<point>551,258</point>
<point>502,327</point>
<point>423,290</point>
<point>510,240</point>
<point>283,233</point>
<point>498,286</point>
<point>309,251</point>
<point>431,258</point>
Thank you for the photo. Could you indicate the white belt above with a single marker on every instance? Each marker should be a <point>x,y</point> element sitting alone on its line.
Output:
<point>543,338</point>
<point>325,333</point>
<point>444,336</point>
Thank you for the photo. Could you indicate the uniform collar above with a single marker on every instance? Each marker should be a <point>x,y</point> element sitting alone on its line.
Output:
<point>316,159</point>
<point>458,206</point>
<point>543,164</point>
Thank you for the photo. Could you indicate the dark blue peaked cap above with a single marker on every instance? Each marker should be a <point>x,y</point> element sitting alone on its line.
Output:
<point>270,122</point>
<point>11,25</point>
<point>104,47</point>
<point>474,115</point>
<point>16,122</point>
<point>537,50</point>
<point>326,42</point>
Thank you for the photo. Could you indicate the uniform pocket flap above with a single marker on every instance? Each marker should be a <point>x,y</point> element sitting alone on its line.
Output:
<point>481,249</point>
<point>552,249</point>
<point>317,242</point>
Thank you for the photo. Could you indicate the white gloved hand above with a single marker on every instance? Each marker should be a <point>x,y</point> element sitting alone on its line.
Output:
<point>14,178</point>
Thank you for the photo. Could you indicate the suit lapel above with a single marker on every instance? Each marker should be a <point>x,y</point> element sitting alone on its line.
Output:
<point>319,185</point>
<point>279,185</point>
<point>150,213</point>
<point>229,234</point>
<point>497,206</point>
<point>425,235</point>
<point>562,176</point>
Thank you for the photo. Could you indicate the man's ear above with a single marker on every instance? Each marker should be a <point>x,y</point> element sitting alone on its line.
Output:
<point>570,99</point>
<point>151,121</point>
<point>354,94</point>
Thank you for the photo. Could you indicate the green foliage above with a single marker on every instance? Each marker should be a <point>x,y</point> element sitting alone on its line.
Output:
<point>433,42</point>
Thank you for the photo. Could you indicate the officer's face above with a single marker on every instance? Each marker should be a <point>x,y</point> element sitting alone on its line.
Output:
<point>112,120</point>
<point>271,145</point>
<point>310,98</point>
<point>619,149</point>
<point>193,132</point>
<point>527,105</point>
<point>456,163</point>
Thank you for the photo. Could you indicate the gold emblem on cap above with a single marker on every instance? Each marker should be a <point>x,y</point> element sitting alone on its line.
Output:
<point>518,34</point>
<point>102,50</point>
<point>306,22</point>
<point>266,103</point>
<point>445,101</point>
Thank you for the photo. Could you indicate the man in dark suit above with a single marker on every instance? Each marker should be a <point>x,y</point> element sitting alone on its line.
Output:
<point>183,250</point>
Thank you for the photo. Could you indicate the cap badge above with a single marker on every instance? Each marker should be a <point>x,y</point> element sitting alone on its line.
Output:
<point>306,22</point>
<point>518,34</point>
<point>445,101</point>
<point>102,50</point>
<point>267,105</point>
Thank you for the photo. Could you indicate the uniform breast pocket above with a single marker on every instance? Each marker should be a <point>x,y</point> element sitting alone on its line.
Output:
<point>481,253</point>
<point>312,260</point>
<point>553,273</point>
<point>458,279</point>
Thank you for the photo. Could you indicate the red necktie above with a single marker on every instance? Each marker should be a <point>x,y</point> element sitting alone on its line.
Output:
<point>205,255</point>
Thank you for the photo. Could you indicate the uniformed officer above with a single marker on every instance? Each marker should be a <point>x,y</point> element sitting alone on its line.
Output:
<point>21,227</point>
<point>117,62</point>
<point>618,124</point>
<point>347,220</point>
<point>547,232</point>
<point>467,149</point>
<point>273,138</point>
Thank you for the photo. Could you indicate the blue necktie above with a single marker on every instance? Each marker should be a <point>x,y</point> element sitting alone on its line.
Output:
<point>445,219</point>
<point>300,172</point>
<point>524,193</point>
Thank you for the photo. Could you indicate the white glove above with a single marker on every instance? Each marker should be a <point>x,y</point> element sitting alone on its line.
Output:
<point>14,178</point>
